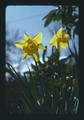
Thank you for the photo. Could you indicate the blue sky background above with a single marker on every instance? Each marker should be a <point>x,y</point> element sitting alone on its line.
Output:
<point>29,19</point>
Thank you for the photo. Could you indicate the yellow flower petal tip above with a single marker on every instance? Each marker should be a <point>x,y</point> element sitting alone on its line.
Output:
<point>26,36</point>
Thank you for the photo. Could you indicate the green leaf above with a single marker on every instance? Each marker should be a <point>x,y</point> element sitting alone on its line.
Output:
<point>51,13</point>
<point>47,21</point>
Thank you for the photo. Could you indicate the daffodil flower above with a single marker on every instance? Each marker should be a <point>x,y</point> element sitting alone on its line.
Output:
<point>60,39</point>
<point>31,45</point>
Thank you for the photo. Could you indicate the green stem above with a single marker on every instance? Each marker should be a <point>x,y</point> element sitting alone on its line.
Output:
<point>38,78</point>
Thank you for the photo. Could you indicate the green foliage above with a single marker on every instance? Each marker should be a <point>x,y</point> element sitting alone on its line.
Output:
<point>68,14</point>
<point>51,87</point>
<point>52,16</point>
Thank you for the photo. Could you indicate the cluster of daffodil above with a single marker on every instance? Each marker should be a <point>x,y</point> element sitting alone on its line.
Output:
<point>31,45</point>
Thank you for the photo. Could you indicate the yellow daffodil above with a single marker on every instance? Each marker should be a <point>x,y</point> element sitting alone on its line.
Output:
<point>60,39</point>
<point>31,45</point>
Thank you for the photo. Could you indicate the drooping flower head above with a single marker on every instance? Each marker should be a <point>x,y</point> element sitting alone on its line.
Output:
<point>31,45</point>
<point>60,39</point>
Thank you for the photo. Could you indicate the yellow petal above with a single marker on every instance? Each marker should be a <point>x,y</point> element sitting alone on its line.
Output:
<point>36,56</point>
<point>60,31</point>
<point>63,44</point>
<point>65,37</point>
<point>20,44</point>
<point>40,46</point>
<point>25,55</point>
<point>37,38</point>
<point>53,40</point>
<point>26,36</point>
<point>56,44</point>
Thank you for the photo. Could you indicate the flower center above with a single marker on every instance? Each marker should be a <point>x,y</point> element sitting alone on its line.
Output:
<point>30,47</point>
